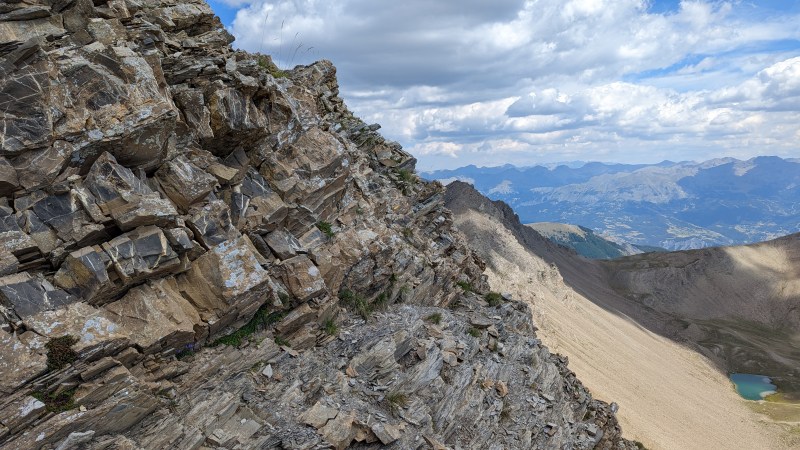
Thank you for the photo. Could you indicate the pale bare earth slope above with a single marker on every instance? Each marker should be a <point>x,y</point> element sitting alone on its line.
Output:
<point>669,396</point>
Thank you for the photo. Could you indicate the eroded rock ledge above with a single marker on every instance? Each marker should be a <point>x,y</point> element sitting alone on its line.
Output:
<point>159,190</point>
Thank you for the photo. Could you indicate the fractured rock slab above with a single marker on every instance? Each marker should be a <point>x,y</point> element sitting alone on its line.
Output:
<point>184,182</point>
<point>156,316</point>
<point>226,285</point>
<point>302,277</point>
<point>27,295</point>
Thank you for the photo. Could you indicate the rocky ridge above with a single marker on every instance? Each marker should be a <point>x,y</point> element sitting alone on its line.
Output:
<point>181,228</point>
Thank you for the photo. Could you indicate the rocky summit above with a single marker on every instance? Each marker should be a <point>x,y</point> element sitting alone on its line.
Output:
<point>201,250</point>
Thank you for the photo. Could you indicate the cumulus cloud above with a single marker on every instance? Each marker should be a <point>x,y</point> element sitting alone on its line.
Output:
<point>527,81</point>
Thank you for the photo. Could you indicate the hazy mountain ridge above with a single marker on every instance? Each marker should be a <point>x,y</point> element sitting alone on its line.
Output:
<point>672,205</point>
<point>586,242</point>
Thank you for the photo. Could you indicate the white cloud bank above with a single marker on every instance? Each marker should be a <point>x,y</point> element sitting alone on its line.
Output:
<point>542,80</point>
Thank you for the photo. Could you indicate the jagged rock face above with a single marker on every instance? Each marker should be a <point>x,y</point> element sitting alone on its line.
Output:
<point>159,189</point>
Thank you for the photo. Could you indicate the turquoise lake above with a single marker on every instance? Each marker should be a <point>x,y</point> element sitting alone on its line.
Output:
<point>752,387</point>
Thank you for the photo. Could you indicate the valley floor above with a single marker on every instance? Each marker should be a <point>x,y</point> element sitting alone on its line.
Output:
<point>669,396</point>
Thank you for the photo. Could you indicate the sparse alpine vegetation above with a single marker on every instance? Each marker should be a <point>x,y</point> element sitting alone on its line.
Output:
<point>493,298</point>
<point>60,352</point>
<point>326,228</point>
<point>330,327</point>
<point>435,318</point>
<point>56,402</point>
<point>260,321</point>
<point>465,286</point>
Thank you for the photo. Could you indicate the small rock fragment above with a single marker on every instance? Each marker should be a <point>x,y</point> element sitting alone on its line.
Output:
<point>502,389</point>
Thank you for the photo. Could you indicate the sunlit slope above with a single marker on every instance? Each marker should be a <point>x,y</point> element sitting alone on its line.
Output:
<point>670,396</point>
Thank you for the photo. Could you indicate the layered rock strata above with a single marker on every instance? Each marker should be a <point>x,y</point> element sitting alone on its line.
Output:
<point>161,191</point>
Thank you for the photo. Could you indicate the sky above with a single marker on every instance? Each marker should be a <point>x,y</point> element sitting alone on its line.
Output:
<point>540,81</point>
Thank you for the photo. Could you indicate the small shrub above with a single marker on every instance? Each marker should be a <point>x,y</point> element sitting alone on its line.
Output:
<point>279,340</point>
<point>493,298</point>
<point>265,63</point>
<point>435,318</point>
<point>60,352</point>
<point>639,445</point>
<point>380,301</point>
<point>326,228</point>
<point>356,302</point>
<point>465,286</point>
<point>330,327</point>
<point>284,298</point>
<point>405,175</point>
<point>407,232</point>
<point>261,320</point>
<point>397,399</point>
<point>278,73</point>
<point>474,332</point>
<point>57,402</point>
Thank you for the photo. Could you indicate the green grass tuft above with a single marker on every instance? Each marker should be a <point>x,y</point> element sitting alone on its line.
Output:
<point>493,298</point>
<point>474,332</point>
<point>435,318</point>
<point>261,320</point>
<point>380,301</point>
<point>326,228</point>
<point>360,304</point>
<point>397,399</point>
<point>356,302</point>
<point>465,286</point>
<point>276,72</point>
<point>330,327</point>
<point>405,175</point>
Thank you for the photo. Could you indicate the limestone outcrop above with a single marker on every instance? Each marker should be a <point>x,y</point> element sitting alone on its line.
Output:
<point>200,250</point>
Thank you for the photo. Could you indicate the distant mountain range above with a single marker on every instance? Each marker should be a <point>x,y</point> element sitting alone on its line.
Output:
<point>673,205</point>
<point>587,243</point>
